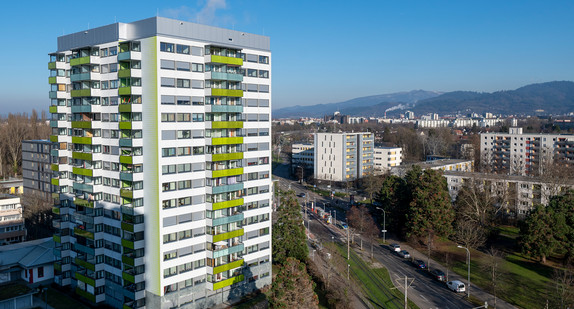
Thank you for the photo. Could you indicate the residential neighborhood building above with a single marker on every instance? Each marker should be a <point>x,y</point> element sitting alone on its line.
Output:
<point>162,181</point>
<point>37,169</point>
<point>458,165</point>
<point>30,261</point>
<point>303,155</point>
<point>343,156</point>
<point>12,228</point>
<point>386,158</point>
<point>519,153</point>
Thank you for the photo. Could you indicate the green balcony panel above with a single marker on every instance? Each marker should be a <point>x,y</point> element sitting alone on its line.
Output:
<point>53,109</point>
<point>56,195</point>
<point>128,260</point>
<point>57,238</point>
<point>125,90</point>
<point>226,60</point>
<point>54,138</point>
<point>227,109</point>
<point>51,80</point>
<point>125,193</point>
<point>128,244</point>
<point>81,108</point>
<point>55,167</point>
<point>125,108</point>
<point>227,251</point>
<point>227,156</point>
<point>226,92</point>
<point>82,171</point>
<point>227,188</point>
<point>85,279</point>
<point>84,203</point>
<point>227,282</point>
<point>82,124</point>
<point>80,61</point>
<point>82,156</point>
<point>56,210</point>
<point>85,264</point>
<point>55,181</point>
<point>126,159</point>
<point>81,93</point>
<point>86,295</point>
<point>227,220</point>
<point>227,124</point>
<point>228,235</point>
<point>128,227</point>
<point>126,142</point>
<point>227,172</point>
<point>227,204</point>
<point>57,266</point>
<point>124,73</point>
<point>125,125</point>
<point>128,277</point>
<point>51,65</point>
<point>226,140</point>
<point>83,233</point>
<point>81,140</point>
<point>228,266</point>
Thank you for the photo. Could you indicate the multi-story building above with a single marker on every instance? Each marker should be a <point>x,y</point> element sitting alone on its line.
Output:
<point>12,229</point>
<point>343,156</point>
<point>519,153</point>
<point>455,165</point>
<point>386,158</point>
<point>36,168</point>
<point>302,155</point>
<point>162,182</point>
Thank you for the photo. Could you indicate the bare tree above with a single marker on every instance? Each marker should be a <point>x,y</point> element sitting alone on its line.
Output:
<point>37,212</point>
<point>469,234</point>
<point>17,130</point>
<point>494,267</point>
<point>562,288</point>
<point>371,184</point>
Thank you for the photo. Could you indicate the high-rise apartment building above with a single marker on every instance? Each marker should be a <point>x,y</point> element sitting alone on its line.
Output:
<point>343,156</point>
<point>162,186</point>
<point>36,169</point>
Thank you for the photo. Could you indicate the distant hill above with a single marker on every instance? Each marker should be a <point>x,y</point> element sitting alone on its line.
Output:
<point>552,98</point>
<point>388,100</point>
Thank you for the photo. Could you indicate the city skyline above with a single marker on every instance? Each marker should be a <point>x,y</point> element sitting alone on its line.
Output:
<point>331,53</point>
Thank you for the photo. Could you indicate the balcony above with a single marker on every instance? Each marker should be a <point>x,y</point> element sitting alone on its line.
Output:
<point>86,295</point>
<point>55,181</point>
<point>227,204</point>
<point>227,251</point>
<point>83,233</point>
<point>81,140</point>
<point>224,60</point>
<point>225,283</point>
<point>126,142</point>
<point>84,277</point>
<point>125,90</point>
<point>216,92</point>
<point>85,264</point>
<point>228,266</point>
<point>80,77</point>
<point>125,125</point>
<point>126,159</point>
<point>127,192</point>
<point>126,176</point>
<point>81,60</point>
<point>123,73</point>
<point>81,124</point>
<point>227,235</point>
<point>227,172</point>
<point>83,171</point>
<point>226,124</point>
<point>82,156</point>
<point>83,187</point>
<point>224,76</point>
<point>226,220</point>
<point>83,249</point>
<point>81,93</point>
<point>81,108</point>
<point>225,109</point>
<point>84,203</point>
<point>226,140</point>
<point>226,156</point>
<point>226,188</point>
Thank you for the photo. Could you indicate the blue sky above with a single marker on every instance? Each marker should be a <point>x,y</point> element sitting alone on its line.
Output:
<point>325,51</point>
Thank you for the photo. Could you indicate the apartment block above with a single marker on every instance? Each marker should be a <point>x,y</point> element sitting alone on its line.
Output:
<point>162,173</point>
<point>37,168</point>
<point>343,156</point>
<point>12,229</point>
<point>519,153</point>
<point>386,158</point>
<point>445,165</point>
<point>303,155</point>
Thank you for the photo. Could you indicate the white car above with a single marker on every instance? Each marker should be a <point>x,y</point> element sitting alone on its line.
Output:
<point>404,254</point>
<point>456,286</point>
<point>395,247</point>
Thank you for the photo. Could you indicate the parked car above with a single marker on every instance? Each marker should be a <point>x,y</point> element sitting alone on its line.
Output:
<point>302,195</point>
<point>343,225</point>
<point>438,275</point>
<point>395,247</point>
<point>404,254</point>
<point>419,264</point>
<point>456,286</point>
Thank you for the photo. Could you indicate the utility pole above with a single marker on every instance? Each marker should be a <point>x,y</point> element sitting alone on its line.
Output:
<point>348,244</point>
<point>406,292</point>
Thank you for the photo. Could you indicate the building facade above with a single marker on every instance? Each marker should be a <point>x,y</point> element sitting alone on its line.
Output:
<point>303,155</point>
<point>343,156</point>
<point>12,228</point>
<point>36,168</point>
<point>445,165</point>
<point>386,158</point>
<point>162,182</point>
<point>519,153</point>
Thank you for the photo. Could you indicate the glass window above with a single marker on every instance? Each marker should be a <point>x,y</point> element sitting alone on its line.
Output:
<point>197,84</point>
<point>264,59</point>
<point>197,51</point>
<point>251,73</point>
<point>183,83</point>
<point>183,100</point>
<point>197,117</point>
<point>113,51</point>
<point>167,64</point>
<point>197,67</point>
<point>183,49</point>
<point>167,82</point>
<point>166,47</point>
<point>263,74</point>
<point>183,66</point>
<point>167,99</point>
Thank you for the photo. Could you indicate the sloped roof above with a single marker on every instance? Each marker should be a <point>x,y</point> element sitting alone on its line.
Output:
<point>27,254</point>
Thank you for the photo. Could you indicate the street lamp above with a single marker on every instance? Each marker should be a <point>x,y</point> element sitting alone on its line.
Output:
<point>348,266</point>
<point>384,224</point>
<point>468,262</point>
<point>335,216</point>
<point>314,255</point>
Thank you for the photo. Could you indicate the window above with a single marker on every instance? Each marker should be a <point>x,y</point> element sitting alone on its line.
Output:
<point>263,74</point>
<point>196,51</point>
<point>183,134</point>
<point>183,117</point>
<point>167,99</point>
<point>196,84</point>
<point>197,117</point>
<point>167,64</point>
<point>251,73</point>
<point>182,83</point>
<point>40,271</point>
<point>264,59</point>
<point>167,82</point>
<point>167,117</point>
<point>197,100</point>
<point>197,67</point>
<point>182,49</point>
<point>166,47</point>
<point>183,100</point>
<point>183,66</point>
<point>113,51</point>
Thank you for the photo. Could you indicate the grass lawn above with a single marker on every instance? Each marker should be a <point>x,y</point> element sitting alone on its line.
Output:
<point>523,282</point>
<point>60,300</point>
<point>13,289</point>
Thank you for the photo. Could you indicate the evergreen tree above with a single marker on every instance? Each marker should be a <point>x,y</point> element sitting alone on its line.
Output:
<point>293,287</point>
<point>289,239</point>
<point>393,200</point>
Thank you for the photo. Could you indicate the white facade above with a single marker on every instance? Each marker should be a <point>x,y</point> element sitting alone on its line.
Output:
<point>343,156</point>
<point>445,165</point>
<point>169,177</point>
<point>386,158</point>
<point>12,229</point>
<point>521,153</point>
<point>303,155</point>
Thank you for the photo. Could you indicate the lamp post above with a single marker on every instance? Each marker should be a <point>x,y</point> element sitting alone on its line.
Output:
<point>468,262</point>
<point>314,255</point>
<point>335,216</point>
<point>384,224</point>
<point>348,266</point>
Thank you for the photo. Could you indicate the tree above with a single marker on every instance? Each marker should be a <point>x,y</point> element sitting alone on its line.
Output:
<point>430,208</point>
<point>494,267</point>
<point>562,288</point>
<point>393,198</point>
<point>293,287</point>
<point>289,239</point>
<point>361,220</point>
<point>37,212</point>
<point>469,234</point>
<point>371,184</point>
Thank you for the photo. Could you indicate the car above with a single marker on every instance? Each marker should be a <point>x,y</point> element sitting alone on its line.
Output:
<point>395,247</point>
<point>342,225</point>
<point>419,264</point>
<point>456,286</point>
<point>404,254</point>
<point>438,275</point>
<point>302,195</point>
